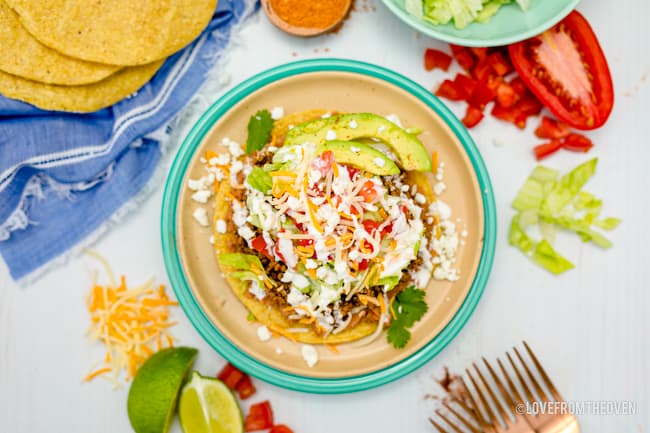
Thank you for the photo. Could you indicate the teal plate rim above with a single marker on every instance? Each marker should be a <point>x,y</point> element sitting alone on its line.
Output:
<point>209,331</point>
<point>436,32</point>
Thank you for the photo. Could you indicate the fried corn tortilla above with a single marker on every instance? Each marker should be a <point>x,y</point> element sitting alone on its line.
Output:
<point>115,32</point>
<point>78,99</point>
<point>229,242</point>
<point>22,55</point>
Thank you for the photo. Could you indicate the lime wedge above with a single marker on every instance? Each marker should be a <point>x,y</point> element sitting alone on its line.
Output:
<point>154,391</point>
<point>208,406</point>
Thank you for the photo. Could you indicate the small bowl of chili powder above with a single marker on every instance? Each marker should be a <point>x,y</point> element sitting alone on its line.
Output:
<point>306,18</point>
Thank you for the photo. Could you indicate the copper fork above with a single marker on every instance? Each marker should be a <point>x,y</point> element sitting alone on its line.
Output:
<point>490,414</point>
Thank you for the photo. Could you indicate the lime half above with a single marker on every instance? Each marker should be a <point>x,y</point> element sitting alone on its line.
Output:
<point>154,391</point>
<point>208,406</point>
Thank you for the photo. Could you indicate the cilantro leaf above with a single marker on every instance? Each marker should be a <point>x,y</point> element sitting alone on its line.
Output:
<point>260,126</point>
<point>409,307</point>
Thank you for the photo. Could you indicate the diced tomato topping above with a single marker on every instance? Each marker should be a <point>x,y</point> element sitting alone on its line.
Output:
<point>577,143</point>
<point>245,387</point>
<point>506,96</point>
<point>231,376</point>
<point>363,264</point>
<point>551,128</point>
<point>449,90</point>
<point>281,428</point>
<point>305,242</point>
<point>352,172</point>
<point>546,149</point>
<point>481,96</point>
<point>259,244</point>
<point>370,225</point>
<point>500,64</point>
<point>472,116</point>
<point>323,163</point>
<point>463,56</point>
<point>368,191</point>
<point>276,250</point>
<point>465,85</point>
<point>260,417</point>
<point>436,59</point>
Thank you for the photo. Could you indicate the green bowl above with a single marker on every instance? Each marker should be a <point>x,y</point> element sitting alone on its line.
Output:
<point>509,25</point>
<point>238,355</point>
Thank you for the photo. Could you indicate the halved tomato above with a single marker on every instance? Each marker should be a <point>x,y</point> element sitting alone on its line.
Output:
<point>566,69</point>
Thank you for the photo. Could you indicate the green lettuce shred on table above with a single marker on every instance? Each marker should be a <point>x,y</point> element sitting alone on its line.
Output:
<point>462,12</point>
<point>552,202</point>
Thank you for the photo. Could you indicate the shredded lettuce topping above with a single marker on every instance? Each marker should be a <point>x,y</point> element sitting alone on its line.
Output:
<point>552,202</point>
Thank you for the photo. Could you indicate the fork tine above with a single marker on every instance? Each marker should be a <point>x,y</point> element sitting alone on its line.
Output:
<point>504,392</point>
<point>494,398</point>
<point>475,410</point>
<point>486,406</point>
<point>540,392</point>
<point>462,419</point>
<point>529,394</point>
<point>542,372</point>
<point>511,385</point>
<point>449,422</point>
<point>437,426</point>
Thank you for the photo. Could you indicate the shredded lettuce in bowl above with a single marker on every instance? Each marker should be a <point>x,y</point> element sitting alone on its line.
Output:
<point>461,12</point>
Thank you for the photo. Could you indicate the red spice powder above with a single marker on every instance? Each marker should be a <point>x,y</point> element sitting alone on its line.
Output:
<point>309,14</point>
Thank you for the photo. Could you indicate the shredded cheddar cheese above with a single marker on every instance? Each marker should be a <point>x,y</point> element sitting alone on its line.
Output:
<point>132,324</point>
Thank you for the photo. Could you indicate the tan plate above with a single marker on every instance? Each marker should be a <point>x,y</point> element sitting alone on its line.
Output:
<point>302,31</point>
<point>346,92</point>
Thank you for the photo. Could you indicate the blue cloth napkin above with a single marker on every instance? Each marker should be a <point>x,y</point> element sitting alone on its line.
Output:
<point>63,176</point>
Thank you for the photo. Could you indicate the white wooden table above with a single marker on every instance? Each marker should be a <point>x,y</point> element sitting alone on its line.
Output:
<point>590,327</point>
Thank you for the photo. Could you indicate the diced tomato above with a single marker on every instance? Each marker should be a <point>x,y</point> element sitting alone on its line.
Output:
<point>280,428</point>
<point>370,225</point>
<point>436,59</point>
<point>565,67</point>
<point>472,116</point>
<point>260,417</point>
<point>387,230</point>
<point>465,85</point>
<point>352,172</point>
<point>479,52</point>
<point>276,250</point>
<point>231,376</point>
<point>324,162</point>
<point>546,149</point>
<point>506,96</point>
<point>259,244</point>
<point>577,143</point>
<point>551,128</point>
<point>305,242</point>
<point>368,191</point>
<point>245,387</point>
<point>463,56</point>
<point>500,64</point>
<point>363,264</point>
<point>530,105</point>
<point>507,114</point>
<point>483,70</point>
<point>482,96</point>
<point>449,90</point>
<point>518,86</point>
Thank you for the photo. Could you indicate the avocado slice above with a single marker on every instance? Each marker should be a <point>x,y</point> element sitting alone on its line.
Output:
<point>360,155</point>
<point>408,148</point>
